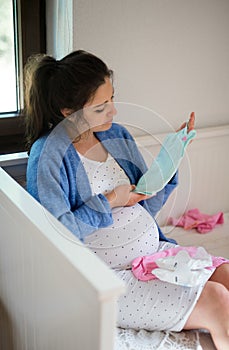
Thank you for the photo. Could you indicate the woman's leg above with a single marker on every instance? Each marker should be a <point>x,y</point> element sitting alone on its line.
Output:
<point>221,275</point>
<point>212,313</point>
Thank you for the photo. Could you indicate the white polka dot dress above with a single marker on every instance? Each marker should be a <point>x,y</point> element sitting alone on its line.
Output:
<point>133,232</point>
<point>152,305</point>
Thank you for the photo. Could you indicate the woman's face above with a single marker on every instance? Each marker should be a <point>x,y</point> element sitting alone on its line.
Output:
<point>100,110</point>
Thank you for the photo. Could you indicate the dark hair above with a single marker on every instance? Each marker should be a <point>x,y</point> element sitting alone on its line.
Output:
<point>52,85</point>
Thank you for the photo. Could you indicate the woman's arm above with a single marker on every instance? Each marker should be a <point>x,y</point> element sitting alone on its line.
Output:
<point>59,182</point>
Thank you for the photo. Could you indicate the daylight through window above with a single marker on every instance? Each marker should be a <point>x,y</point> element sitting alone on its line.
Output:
<point>8,71</point>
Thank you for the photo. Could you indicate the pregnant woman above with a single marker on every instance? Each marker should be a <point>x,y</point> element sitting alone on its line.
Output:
<point>84,169</point>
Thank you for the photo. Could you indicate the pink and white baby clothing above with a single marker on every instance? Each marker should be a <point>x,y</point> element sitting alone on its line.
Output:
<point>185,266</point>
<point>193,218</point>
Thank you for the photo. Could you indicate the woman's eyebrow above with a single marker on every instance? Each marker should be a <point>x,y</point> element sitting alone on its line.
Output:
<point>100,105</point>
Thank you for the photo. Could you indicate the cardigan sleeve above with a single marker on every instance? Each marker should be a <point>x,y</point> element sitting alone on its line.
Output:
<point>81,212</point>
<point>52,181</point>
<point>87,218</point>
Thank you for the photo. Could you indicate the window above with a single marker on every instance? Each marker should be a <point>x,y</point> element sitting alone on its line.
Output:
<point>22,31</point>
<point>8,50</point>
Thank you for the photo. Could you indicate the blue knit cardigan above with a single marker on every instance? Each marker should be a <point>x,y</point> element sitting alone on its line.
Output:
<point>57,179</point>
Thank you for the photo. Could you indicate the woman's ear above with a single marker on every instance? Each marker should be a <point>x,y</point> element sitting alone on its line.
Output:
<point>66,112</point>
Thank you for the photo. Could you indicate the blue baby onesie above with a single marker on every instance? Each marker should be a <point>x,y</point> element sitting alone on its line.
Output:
<point>166,163</point>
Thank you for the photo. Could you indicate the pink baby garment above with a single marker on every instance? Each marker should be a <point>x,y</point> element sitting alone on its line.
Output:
<point>186,266</point>
<point>195,219</point>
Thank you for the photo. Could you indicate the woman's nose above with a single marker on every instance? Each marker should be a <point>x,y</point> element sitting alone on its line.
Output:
<point>112,110</point>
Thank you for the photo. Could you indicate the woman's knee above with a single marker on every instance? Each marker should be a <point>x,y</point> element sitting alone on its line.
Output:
<point>217,288</point>
<point>221,275</point>
<point>217,294</point>
<point>212,304</point>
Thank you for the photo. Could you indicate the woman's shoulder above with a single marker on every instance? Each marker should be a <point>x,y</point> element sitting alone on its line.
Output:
<point>38,145</point>
<point>120,128</point>
<point>52,152</point>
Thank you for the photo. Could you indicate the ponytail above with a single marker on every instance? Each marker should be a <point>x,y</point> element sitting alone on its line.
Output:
<point>39,113</point>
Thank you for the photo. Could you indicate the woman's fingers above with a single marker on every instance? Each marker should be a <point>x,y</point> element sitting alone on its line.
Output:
<point>181,127</point>
<point>191,122</point>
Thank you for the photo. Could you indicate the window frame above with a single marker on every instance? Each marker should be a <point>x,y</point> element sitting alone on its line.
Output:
<point>31,30</point>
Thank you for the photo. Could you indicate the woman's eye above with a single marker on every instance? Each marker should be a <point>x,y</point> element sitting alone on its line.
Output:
<point>100,110</point>
<point>103,108</point>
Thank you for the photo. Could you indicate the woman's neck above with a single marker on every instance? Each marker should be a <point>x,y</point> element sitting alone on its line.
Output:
<point>90,147</point>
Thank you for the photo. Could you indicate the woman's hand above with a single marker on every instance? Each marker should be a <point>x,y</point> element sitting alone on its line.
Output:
<point>191,123</point>
<point>123,196</point>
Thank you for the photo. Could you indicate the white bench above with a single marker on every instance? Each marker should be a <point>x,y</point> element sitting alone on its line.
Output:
<point>54,292</point>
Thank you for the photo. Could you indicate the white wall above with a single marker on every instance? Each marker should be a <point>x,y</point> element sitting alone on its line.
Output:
<point>169,56</point>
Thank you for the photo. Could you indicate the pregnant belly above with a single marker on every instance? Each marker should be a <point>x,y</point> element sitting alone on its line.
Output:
<point>133,233</point>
